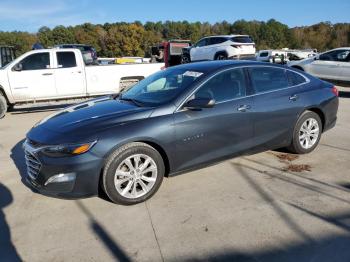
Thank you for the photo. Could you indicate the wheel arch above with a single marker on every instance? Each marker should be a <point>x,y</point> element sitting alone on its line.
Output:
<point>220,52</point>
<point>149,142</point>
<point>320,113</point>
<point>160,149</point>
<point>128,81</point>
<point>298,67</point>
<point>2,91</point>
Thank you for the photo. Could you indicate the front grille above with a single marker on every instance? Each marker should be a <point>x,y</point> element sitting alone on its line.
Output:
<point>33,165</point>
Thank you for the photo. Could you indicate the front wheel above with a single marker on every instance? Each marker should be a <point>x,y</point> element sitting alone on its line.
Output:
<point>133,173</point>
<point>307,133</point>
<point>3,105</point>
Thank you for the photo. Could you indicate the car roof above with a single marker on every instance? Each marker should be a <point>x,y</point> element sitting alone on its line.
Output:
<point>226,36</point>
<point>339,48</point>
<point>74,45</point>
<point>212,66</point>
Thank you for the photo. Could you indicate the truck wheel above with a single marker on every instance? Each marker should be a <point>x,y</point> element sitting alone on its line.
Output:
<point>133,173</point>
<point>3,105</point>
<point>185,59</point>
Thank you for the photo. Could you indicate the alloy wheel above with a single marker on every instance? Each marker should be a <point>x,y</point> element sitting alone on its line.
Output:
<point>135,176</point>
<point>308,133</point>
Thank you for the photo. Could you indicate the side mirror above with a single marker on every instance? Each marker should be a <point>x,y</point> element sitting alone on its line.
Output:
<point>199,103</point>
<point>18,67</point>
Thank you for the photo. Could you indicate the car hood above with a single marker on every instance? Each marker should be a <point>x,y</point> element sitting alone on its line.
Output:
<point>302,62</point>
<point>90,117</point>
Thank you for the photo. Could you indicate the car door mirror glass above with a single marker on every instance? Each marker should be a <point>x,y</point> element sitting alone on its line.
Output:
<point>199,103</point>
<point>18,67</point>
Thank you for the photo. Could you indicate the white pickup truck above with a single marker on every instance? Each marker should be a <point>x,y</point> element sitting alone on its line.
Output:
<point>53,74</point>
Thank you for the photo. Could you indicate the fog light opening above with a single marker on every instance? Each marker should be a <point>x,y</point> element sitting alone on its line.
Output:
<point>61,178</point>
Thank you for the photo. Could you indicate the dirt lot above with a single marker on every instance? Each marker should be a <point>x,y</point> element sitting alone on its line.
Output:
<point>266,207</point>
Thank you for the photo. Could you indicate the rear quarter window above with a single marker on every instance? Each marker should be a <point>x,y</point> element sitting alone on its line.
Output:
<point>295,79</point>
<point>266,79</point>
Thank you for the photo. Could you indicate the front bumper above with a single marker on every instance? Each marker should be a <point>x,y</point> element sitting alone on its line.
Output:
<point>85,169</point>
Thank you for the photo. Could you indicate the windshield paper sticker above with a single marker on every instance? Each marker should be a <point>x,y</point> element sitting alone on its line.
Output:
<point>193,74</point>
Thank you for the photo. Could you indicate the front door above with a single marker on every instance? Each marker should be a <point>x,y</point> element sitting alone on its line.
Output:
<point>33,78</point>
<point>219,132</point>
<point>197,51</point>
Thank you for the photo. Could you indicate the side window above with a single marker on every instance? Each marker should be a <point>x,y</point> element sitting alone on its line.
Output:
<point>268,79</point>
<point>264,54</point>
<point>66,59</point>
<point>224,86</point>
<point>36,61</point>
<point>212,41</point>
<point>201,42</point>
<point>295,78</point>
<point>336,55</point>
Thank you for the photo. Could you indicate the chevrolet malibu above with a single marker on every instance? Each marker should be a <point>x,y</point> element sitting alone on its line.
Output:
<point>179,119</point>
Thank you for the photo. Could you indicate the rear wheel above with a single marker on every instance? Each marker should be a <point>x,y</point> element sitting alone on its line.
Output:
<point>3,105</point>
<point>221,56</point>
<point>133,173</point>
<point>307,133</point>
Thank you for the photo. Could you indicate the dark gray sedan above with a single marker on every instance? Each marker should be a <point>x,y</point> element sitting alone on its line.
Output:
<point>179,119</point>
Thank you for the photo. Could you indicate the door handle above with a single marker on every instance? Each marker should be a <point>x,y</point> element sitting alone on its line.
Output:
<point>243,108</point>
<point>47,74</point>
<point>293,97</point>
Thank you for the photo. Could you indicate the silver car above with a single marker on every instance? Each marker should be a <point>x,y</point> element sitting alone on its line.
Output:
<point>330,65</point>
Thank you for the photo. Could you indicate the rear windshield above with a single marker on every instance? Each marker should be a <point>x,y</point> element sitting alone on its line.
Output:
<point>242,39</point>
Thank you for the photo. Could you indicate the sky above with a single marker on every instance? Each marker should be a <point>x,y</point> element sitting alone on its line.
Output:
<point>30,15</point>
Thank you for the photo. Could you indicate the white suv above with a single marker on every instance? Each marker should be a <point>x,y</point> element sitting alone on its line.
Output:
<point>223,47</point>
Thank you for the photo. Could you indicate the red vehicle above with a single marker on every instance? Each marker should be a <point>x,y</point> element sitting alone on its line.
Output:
<point>169,52</point>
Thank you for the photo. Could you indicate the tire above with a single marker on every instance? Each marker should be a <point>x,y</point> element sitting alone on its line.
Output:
<point>131,186</point>
<point>3,105</point>
<point>221,56</point>
<point>185,59</point>
<point>305,137</point>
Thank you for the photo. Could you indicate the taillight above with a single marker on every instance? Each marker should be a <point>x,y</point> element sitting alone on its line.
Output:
<point>335,91</point>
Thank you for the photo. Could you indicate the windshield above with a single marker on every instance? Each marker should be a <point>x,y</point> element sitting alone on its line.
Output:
<point>161,87</point>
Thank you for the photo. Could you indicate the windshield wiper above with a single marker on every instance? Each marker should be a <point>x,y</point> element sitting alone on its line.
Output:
<point>134,101</point>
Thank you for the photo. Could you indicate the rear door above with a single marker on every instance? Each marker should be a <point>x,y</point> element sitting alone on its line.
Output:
<point>69,74</point>
<point>35,80</point>
<point>276,105</point>
<point>213,133</point>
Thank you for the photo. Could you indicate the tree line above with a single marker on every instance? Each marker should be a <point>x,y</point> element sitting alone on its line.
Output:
<point>135,39</point>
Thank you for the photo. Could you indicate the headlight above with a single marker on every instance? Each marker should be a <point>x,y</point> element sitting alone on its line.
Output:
<point>67,150</point>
